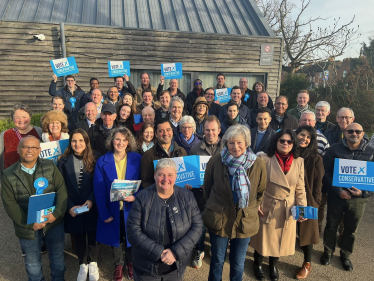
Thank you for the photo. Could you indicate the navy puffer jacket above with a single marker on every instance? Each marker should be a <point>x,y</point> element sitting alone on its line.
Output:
<point>145,228</point>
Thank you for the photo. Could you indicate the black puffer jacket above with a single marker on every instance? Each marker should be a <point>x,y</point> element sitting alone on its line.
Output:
<point>146,223</point>
<point>341,150</point>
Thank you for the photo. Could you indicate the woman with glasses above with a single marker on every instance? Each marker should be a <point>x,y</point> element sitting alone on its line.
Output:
<point>187,137</point>
<point>314,171</point>
<point>285,188</point>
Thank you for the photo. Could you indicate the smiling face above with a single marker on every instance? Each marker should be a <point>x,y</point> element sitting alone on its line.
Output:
<point>201,109</point>
<point>220,80</point>
<point>302,99</point>
<point>120,143</point>
<point>21,119</point>
<point>322,113</point>
<point>304,138</point>
<point>173,84</point>
<point>307,119</point>
<point>94,84</point>
<point>148,115</point>
<point>236,146</point>
<point>344,118</point>
<point>90,111</point>
<point>144,78</point>
<point>124,113</point>
<point>236,95</point>
<point>232,112</point>
<point>77,144</point>
<point>96,96</point>
<point>262,99</point>
<point>284,148</point>
<point>211,132</point>
<point>70,82</point>
<point>165,179</point>
<point>58,104</point>
<point>258,88</point>
<point>263,120</point>
<point>29,150</point>
<point>164,133</point>
<point>198,84</point>
<point>209,95</point>
<point>148,134</point>
<point>108,118</point>
<point>147,98</point>
<point>243,83</point>
<point>119,83</point>
<point>128,99</point>
<point>176,110</point>
<point>187,130</point>
<point>54,128</point>
<point>113,94</point>
<point>354,133</point>
<point>281,106</point>
<point>165,100</point>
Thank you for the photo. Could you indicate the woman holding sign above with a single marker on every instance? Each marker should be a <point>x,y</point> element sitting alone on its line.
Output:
<point>55,126</point>
<point>234,185</point>
<point>77,165</point>
<point>123,164</point>
<point>314,171</point>
<point>285,188</point>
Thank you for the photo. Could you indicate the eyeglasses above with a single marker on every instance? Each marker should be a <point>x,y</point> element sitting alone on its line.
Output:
<point>198,83</point>
<point>186,128</point>
<point>345,117</point>
<point>209,94</point>
<point>32,148</point>
<point>358,132</point>
<point>283,141</point>
<point>243,82</point>
<point>280,103</point>
<point>69,80</point>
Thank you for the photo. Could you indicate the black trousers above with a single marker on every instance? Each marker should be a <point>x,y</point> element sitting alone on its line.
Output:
<point>118,251</point>
<point>353,210</point>
<point>81,241</point>
<point>171,276</point>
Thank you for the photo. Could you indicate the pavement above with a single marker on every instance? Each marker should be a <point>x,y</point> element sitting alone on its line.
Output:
<point>12,266</point>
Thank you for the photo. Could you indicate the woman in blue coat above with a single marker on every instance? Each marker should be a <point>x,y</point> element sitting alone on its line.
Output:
<point>77,165</point>
<point>123,164</point>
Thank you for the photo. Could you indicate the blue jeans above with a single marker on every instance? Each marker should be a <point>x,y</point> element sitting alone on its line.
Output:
<point>55,241</point>
<point>238,250</point>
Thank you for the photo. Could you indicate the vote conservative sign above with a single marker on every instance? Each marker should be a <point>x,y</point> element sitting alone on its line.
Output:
<point>52,150</point>
<point>190,170</point>
<point>64,66</point>
<point>223,95</point>
<point>348,173</point>
<point>172,70</point>
<point>118,68</point>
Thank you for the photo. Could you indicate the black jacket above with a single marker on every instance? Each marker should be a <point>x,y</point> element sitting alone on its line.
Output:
<point>225,125</point>
<point>326,126</point>
<point>191,98</point>
<point>251,101</point>
<point>77,197</point>
<point>83,124</point>
<point>158,114</point>
<point>130,89</point>
<point>263,146</point>
<point>288,122</point>
<point>341,150</point>
<point>334,135</point>
<point>214,109</point>
<point>145,228</point>
<point>253,114</point>
<point>243,112</point>
<point>98,137</point>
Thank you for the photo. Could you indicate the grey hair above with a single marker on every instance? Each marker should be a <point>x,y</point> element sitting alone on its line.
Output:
<point>131,146</point>
<point>166,163</point>
<point>308,112</point>
<point>174,99</point>
<point>323,103</point>
<point>23,107</point>
<point>237,130</point>
<point>346,108</point>
<point>146,108</point>
<point>187,119</point>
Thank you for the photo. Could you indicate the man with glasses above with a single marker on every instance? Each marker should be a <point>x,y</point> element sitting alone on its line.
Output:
<point>164,147</point>
<point>279,118</point>
<point>344,117</point>
<point>322,111</point>
<point>18,183</point>
<point>71,95</point>
<point>214,107</point>
<point>194,94</point>
<point>347,202</point>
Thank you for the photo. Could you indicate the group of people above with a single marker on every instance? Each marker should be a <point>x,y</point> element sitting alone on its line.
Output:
<point>264,160</point>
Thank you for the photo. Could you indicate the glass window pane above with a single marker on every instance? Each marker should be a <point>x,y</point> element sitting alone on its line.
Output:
<point>232,79</point>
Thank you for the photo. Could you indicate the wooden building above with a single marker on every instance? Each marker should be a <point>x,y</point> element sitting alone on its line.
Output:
<point>207,36</point>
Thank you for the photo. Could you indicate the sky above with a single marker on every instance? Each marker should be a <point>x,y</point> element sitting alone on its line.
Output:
<point>346,9</point>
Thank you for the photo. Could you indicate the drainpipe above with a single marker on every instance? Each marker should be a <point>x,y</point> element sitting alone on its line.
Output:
<point>62,41</point>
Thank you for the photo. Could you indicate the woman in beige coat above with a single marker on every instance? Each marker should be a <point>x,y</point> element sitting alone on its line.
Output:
<point>284,189</point>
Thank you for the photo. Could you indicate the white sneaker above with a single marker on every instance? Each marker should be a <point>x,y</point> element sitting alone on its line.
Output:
<point>198,261</point>
<point>93,271</point>
<point>82,274</point>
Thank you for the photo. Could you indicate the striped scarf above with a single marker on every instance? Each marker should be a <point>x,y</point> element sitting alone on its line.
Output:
<point>237,168</point>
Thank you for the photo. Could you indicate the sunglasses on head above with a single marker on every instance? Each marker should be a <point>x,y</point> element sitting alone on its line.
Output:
<point>358,132</point>
<point>198,83</point>
<point>283,141</point>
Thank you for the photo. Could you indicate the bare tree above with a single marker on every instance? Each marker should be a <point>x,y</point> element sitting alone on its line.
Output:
<point>302,43</point>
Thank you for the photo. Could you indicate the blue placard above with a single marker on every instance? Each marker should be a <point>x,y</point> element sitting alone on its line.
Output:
<point>64,66</point>
<point>203,161</point>
<point>348,173</point>
<point>118,68</point>
<point>138,119</point>
<point>52,150</point>
<point>223,95</point>
<point>172,70</point>
<point>188,170</point>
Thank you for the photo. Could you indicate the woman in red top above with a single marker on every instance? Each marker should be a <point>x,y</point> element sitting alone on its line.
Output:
<point>9,139</point>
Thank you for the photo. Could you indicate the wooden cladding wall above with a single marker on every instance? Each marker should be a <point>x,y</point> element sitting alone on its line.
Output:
<point>25,71</point>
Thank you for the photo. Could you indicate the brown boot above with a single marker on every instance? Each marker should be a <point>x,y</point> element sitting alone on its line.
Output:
<point>304,271</point>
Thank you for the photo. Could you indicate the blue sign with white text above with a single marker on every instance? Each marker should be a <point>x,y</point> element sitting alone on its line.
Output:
<point>64,66</point>
<point>118,68</point>
<point>223,95</point>
<point>348,173</point>
<point>172,70</point>
<point>52,150</point>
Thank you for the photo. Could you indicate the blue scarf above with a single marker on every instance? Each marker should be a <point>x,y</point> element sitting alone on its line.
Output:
<point>237,168</point>
<point>190,140</point>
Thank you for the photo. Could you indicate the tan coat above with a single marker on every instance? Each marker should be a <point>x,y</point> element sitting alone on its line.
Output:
<point>220,215</point>
<point>277,234</point>
<point>139,91</point>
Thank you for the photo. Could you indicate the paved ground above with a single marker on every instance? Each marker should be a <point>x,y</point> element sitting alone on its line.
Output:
<point>12,266</point>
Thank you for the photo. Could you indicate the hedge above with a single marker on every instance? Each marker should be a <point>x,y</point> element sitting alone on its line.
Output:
<point>6,124</point>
